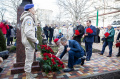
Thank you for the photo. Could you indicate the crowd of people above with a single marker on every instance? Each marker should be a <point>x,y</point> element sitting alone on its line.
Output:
<point>68,40</point>
<point>71,34</point>
<point>8,31</point>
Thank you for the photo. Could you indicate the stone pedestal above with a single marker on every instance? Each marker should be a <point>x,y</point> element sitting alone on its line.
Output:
<point>18,67</point>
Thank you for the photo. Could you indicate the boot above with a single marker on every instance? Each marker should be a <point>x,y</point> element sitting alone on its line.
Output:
<point>29,76</point>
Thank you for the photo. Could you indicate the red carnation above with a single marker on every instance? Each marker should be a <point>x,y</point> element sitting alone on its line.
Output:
<point>60,62</point>
<point>45,45</point>
<point>106,34</point>
<point>117,44</point>
<point>52,60</point>
<point>89,30</point>
<point>45,54</point>
<point>63,66</point>
<point>54,63</point>
<point>57,58</point>
<point>59,66</point>
<point>49,55</point>
<point>44,58</point>
<point>77,32</point>
<point>53,56</point>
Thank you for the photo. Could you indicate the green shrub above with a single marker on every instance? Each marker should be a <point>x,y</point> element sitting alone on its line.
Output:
<point>12,49</point>
<point>2,42</point>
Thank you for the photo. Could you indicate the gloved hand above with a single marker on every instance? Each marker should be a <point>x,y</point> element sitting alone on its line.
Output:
<point>37,42</point>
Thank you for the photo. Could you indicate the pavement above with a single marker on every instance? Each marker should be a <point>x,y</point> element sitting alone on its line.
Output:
<point>99,64</point>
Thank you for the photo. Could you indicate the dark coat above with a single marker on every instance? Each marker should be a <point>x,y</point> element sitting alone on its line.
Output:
<point>46,30</point>
<point>97,38</point>
<point>9,31</point>
<point>118,36</point>
<point>51,30</point>
<point>74,46</point>
<point>90,37</point>
<point>80,28</point>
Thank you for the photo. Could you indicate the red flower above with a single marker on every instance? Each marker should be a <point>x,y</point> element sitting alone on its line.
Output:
<point>77,32</point>
<point>52,60</point>
<point>46,49</point>
<point>57,58</point>
<point>49,55</point>
<point>44,58</point>
<point>45,45</point>
<point>63,66</point>
<point>60,62</point>
<point>54,63</point>
<point>59,66</point>
<point>45,54</point>
<point>117,44</point>
<point>53,56</point>
<point>89,30</point>
<point>106,34</point>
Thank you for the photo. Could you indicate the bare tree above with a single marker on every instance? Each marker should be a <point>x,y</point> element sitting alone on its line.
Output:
<point>12,6</point>
<point>2,12</point>
<point>76,9</point>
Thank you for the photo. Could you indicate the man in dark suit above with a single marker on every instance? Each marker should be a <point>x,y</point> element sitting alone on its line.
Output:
<point>89,39</point>
<point>75,53</point>
<point>80,28</point>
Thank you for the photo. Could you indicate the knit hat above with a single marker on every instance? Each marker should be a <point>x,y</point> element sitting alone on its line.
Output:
<point>28,6</point>
<point>56,40</point>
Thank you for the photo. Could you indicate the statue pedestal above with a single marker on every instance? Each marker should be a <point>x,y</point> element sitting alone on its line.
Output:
<point>18,67</point>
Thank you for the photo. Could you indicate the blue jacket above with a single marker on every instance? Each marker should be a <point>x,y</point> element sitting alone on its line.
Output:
<point>90,37</point>
<point>74,46</point>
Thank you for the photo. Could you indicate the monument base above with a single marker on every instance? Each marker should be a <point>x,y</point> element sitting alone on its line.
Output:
<point>19,67</point>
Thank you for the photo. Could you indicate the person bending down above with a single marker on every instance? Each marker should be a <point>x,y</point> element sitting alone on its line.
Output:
<point>75,53</point>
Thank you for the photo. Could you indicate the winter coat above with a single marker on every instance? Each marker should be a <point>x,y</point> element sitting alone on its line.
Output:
<point>56,32</point>
<point>60,50</point>
<point>80,28</point>
<point>118,36</point>
<point>97,38</point>
<point>4,28</point>
<point>110,38</point>
<point>8,32</point>
<point>51,30</point>
<point>64,31</point>
<point>28,29</point>
<point>46,30</point>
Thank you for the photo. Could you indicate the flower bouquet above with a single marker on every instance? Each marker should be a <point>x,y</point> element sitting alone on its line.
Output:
<point>50,63</point>
<point>117,44</point>
<point>89,30</point>
<point>106,34</point>
<point>77,32</point>
<point>46,49</point>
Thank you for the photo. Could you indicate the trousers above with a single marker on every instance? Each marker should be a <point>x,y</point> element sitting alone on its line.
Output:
<point>74,58</point>
<point>29,52</point>
<point>88,47</point>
